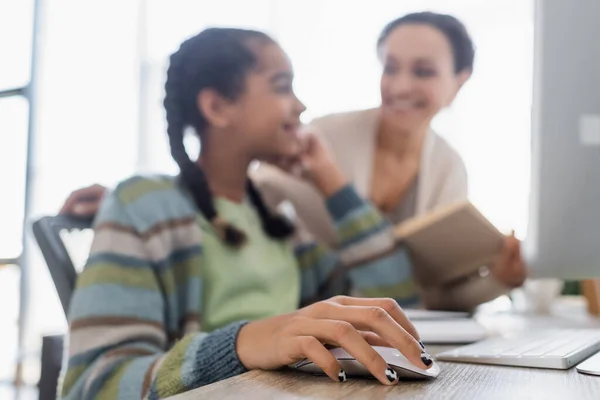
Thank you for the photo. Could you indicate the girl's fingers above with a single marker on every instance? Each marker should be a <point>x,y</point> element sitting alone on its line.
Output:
<point>389,305</point>
<point>374,339</point>
<point>377,320</point>
<point>309,347</point>
<point>344,335</point>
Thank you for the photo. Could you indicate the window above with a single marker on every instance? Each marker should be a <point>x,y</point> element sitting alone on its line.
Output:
<point>86,120</point>
<point>16,32</point>
<point>13,142</point>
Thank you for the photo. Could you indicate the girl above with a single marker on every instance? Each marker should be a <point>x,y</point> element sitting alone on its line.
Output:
<point>179,266</point>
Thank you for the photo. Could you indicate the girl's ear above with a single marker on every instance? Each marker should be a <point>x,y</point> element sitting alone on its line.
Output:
<point>216,109</point>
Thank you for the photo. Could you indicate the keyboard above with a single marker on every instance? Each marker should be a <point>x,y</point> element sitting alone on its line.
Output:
<point>453,331</point>
<point>554,349</point>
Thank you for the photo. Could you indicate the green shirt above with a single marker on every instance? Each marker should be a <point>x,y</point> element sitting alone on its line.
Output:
<point>267,277</point>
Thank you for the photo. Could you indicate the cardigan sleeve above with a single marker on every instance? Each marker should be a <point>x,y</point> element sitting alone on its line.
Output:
<point>367,254</point>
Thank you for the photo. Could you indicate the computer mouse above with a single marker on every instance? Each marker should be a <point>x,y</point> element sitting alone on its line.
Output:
<point>396,360</point>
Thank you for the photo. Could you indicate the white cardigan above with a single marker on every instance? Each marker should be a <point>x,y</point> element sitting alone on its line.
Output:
<point>351,137</point>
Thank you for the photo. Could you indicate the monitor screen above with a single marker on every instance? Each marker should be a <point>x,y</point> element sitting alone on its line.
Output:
<point>564,227</point>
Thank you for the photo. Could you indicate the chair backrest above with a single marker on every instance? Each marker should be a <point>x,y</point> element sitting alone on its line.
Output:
<point>49,234</point>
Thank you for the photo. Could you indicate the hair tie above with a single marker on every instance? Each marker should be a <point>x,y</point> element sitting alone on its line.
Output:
<point>228,233</point>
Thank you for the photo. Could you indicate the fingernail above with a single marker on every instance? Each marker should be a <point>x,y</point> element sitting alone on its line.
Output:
<point>422,345</point>
<point>342,376</point>
<point>426,358</point>
<point>391,374</point>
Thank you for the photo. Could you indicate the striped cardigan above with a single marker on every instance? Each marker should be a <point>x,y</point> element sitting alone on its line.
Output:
<point>135,324</point>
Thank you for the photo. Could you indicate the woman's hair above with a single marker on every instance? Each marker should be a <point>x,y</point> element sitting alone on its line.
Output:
<point>460,41</point>
<point>217,59</point>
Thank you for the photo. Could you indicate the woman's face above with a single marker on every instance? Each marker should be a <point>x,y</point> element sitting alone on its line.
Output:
<point>418,77</point>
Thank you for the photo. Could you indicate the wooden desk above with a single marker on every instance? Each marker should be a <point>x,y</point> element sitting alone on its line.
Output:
<point>457,381</point>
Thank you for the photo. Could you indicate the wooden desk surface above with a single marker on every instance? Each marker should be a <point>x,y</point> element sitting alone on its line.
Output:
<point>457,381</point>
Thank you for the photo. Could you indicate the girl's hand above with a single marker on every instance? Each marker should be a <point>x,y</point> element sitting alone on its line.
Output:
<point>318,166</point>
<point>354,324</point>
<point>313,163</point>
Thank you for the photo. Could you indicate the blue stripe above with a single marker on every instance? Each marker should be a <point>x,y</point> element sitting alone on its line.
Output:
<point>117,258</point>
<point>89,356</point>
<point>141,214</point>
<point>112,211</point>
<point>132,381</point>
<point>344,201</point>
<point>189,367</point>
<point>179,256</point>
<point>175,302</point>
<point>86,358</point>
<point>159,206</point>
<point>153,394</point>
<point>312,278</point>
<point>137,178</point>
<point>100,380</point>
<point>193,288</point>
<point>113,300</point>
<point>388,271</point>
<point>309,285</point>
<point>325,266</point>
<point>304,248</point>
<point>127,301</point>
<point>187,298</point>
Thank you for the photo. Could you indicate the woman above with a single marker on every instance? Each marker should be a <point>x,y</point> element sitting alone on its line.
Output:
<point>392,155</point>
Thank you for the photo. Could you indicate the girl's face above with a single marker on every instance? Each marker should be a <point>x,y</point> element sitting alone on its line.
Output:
<point>265,118</point>
<point>418,77</point>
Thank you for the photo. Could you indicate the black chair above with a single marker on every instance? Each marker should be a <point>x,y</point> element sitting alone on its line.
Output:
<point>50,234</point>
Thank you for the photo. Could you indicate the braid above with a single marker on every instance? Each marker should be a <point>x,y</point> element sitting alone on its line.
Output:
<point>192,175</point>
<point>276,226</point>
<point>218,59</point>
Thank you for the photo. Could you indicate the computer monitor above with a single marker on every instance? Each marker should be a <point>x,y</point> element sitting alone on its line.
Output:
<point>564,227</point>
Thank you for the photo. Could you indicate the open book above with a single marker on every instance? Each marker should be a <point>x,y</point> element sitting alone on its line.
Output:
<point>450,243</point>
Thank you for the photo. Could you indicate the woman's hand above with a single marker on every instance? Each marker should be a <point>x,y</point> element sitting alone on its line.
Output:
<point>84,202</point>
<point>510,269</point>
<point>354,324</point>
